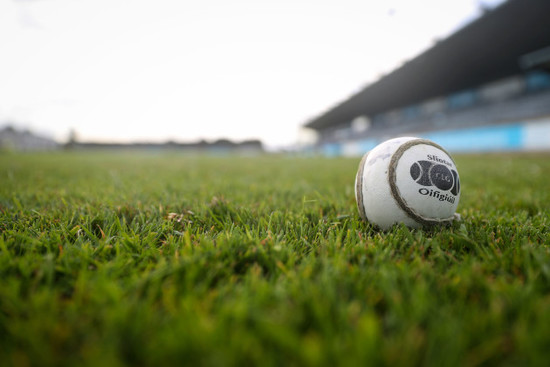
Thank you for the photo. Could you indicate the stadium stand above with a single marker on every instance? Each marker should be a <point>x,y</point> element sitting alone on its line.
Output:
<point>484,88</point>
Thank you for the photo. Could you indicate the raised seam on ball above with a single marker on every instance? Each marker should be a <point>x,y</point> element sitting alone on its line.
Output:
<point>395,190</point>
<point>359,188</point>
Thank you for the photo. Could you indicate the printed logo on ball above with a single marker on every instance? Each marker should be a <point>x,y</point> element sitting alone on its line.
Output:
<point>435,173</point>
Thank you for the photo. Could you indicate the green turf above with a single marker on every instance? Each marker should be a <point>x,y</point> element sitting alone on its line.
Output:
<point>143,259</point>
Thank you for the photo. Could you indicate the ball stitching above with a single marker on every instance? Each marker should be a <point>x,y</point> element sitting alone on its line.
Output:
<point>395,190</point>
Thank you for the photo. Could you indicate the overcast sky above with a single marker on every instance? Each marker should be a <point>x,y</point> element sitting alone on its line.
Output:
<point>126,70</point>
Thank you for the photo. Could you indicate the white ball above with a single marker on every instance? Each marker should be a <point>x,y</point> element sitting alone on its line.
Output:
<point>407,180</point>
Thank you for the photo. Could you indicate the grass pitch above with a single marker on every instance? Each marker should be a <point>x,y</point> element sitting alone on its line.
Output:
<point>136,259</point>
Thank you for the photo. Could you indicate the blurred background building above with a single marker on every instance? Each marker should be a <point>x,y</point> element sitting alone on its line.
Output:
<point>12,139</point>
<point>484,88</point>
<point>16,140</point>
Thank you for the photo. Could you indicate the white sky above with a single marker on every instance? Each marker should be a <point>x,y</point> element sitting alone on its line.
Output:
<point>126,70</point>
